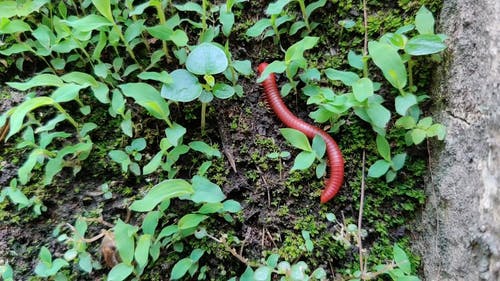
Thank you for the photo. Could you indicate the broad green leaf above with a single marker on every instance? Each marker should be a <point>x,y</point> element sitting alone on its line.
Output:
<point>210,208</point>
<point>362,89</point>
<point>274,67</point>
<point>185,87</point>
<point>85,262</point>
<point>51,124</point>
<point>398,161</point>
<point>44,80</point>
<point>88,23</point>
<point>196,254</point>
<point>120,272</point>
<point>406,122</point>
<point>383,148</point>
<point>296,26</point>
<point>206,58</point>
<point>272,260</point>
<point>205,191</point>
<point>247,275</point>
<point>205,148</point>
<point>313,6</point>
<point>223,91</point>
<point>243,66</point>
<point>321,169</point>
<point>175,133</point>
<point>424,21</point>
<point>379,168</point>
<point>227,19</point>
<point>347,77</point>
<point>276,8</point>
<point>296,138</point>
<point>424,44</point>
<point>101,92</point>
<point>425,123</point>
<point>13,26</point>
<point>389,61</point>
<point>296,51</point>
<point>355,60</point>
<point>163,76</point>
<point>231,206</point>
<point>147,97</point>
<point>17,117</point>
<point>180,268</point>
<point>190,7</point>
<point>17,197</point>
<point>80,78</point>
<point>319,146</point>
<point>124,239</point>
<point>142,250</point>
<point>104,7</point>
<point>16,49</point>
<point>418,135</point>
<point>150,222</point>
<point>303,160</point>
<point>438,130</point>
<point>403,103</point>
<point>166,189</point>
<point>378,114</point>
<point>263,273</point>
<point>190,221</point>
<point>20,8</point>
<point>153,164</point>
<point>179,37</point>
<point>258,27</point>
<point>134,30</point>
<point>401,259</point>
<point>120,157</point>
<point>67,92</point>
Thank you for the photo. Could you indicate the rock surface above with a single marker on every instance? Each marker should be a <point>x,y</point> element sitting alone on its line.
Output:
<point>460,226</point>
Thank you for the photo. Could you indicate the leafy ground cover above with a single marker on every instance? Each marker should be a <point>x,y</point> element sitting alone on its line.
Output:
<point>136,144</point>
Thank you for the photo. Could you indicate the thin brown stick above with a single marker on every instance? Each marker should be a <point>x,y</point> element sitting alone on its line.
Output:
<point>362,265</point>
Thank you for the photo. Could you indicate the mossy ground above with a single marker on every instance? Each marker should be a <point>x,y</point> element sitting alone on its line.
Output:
<point>277,204</point>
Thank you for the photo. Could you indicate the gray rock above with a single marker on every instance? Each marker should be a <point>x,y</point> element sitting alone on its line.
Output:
<point>460,226</point>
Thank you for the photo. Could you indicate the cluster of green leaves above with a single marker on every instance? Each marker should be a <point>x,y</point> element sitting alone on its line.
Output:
<point>113,53</point>
<point>273,26</point>
<point>394,55</point>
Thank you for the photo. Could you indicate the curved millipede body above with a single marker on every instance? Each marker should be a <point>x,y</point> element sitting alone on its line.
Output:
<point>335,159</point>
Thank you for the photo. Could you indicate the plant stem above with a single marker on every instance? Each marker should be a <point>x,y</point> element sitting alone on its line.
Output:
<point>127,46</point>
<point>410,74</point>
<point>203,113</point>
<point>304,14</point>
<point>70,119</point>
<point>362,265</point>
<point>161,17</point>
<point>204,27</point>
<point>275,28</point>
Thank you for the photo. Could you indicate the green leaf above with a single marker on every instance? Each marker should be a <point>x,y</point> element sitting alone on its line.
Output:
<point>85,262</point>
<point>418,135</point>
<point>153,164</point>
<point>296,138</point>
<point>296,26</point>
<point>424,21</point>
<point>247,275</point>
<point>223,91</point>
<point>88,23</point>
<point>142,250</point>
<point>104,7</point>
<point>150,222</point>
<point>231,206</point>
<point>403,103</point>
<point>17,116</point>
<point>164,190</point>
<point>379,115</point>
<point>401,259</point>
<point>398,161</point>
<point>196,254</point>
<point>120,272</point>
<point>190,221</point>
<point>355,60</point>
<point>205,148</point>
<point>180,268</point>
<point>147,97</point>
<point>67,92</point>
<point>258,27</point>
<point>276,8</point>
<point>296,51</point>
<point>210,208</point>
<point>39,80</point>
<point>226,18</point>
<point>383,148</point>
<point>243,66</point>
<point>206,58</point>
<point>80,78</point>
<point>175,133</point>
<point>190,7</point>
<point>313,6</point>
<point>347,77</point>
<point>406,122</point>
<point>379,168</point>
<point>163,76</point>
<point>362,89</point>
<point>185,87</point>
<point>274,67</point>
<point>124,239</point>
<point>424,44</point>
<point>303,160</point>
<point>272,260</point>
<point>389,61</point>
<point>319,146</point>
<point>120,157</point>
<point>205,191</point>
<point>263,273</point>
<point>438,130</point>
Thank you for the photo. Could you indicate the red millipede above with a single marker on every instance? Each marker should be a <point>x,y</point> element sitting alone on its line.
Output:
<point>335,159</point>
